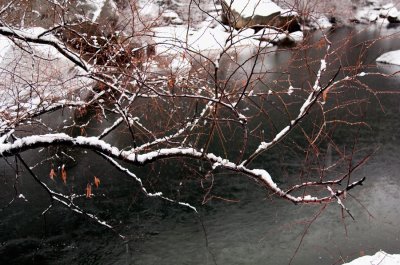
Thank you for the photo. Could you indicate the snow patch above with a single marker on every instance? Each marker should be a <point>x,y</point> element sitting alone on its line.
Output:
<point>98,6</point>
<point>180,67</point>
<point>21,196</point>
<point>380,258</point>
<point>207,39</point>
<point>321,22</point>
<point>392,57</point>
<point>252,8</point>
<point>362,74</point>
<point>296,36</point>
<point>265,176</point>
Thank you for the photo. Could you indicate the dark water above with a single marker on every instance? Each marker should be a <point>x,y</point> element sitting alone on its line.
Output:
<point>258,228</point>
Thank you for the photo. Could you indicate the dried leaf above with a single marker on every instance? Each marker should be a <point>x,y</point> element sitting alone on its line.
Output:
<point>96,181</point>
<point>88,190</point>
<point>321,43</point>
<point>325,94</point>
<point>52,174</point>
<point>171,83</point>
<point>83,131</point>
<point>64,174</point>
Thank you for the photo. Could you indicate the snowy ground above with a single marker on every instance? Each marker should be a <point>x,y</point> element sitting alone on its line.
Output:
<point>380,258</point>
<point>392,57</point>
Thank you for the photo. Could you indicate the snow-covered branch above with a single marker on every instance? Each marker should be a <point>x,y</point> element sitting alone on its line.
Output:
<point>37,37</point>
<point>95,144</point>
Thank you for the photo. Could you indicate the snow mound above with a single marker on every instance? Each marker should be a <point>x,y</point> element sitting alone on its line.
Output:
<point>381,258</point>
<point>392,57</point>
<point>252,8</point>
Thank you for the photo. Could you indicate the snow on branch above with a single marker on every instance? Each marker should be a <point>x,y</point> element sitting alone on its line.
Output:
<point>37,37</point>
<point>139,181</point>
<point>308,103</point>
<point>100,146</point>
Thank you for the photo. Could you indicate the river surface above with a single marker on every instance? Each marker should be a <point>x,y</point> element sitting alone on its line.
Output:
<point>254,229</point>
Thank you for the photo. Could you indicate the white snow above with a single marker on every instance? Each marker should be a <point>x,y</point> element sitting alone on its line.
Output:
<point>380,258</point>
<point>392,57</point>
<point>296,36</point>
<point>245,38</point>
<point>251,8</point>
<point>393,12</point>
<point>172,17</point>
<point>180,67</point>
<point>321,22</point>
<point>388,6</point>
<point>376,12</point>
<point>265,176</point>
<point>98,6</point>
<point>309,198</point>
<point>170,40</point>
<point>40,75</point>
<point>264,145</point>
<point>290,90</point>
<point>177,41</point>
<point>21,196</point>
<point>208,39</point>
<point>362,74</point>
<point>388,10</point>
<point>322,68</point>
<point>149,11</point>
<point>288,13</point>
<point>367,14</point>
<point>323,65</point>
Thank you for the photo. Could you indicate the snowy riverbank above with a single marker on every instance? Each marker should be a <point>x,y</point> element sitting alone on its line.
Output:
<point>392,57</point>
<point>380,258</point>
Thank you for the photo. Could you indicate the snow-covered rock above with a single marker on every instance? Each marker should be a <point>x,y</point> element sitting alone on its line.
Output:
<point>98,10</point>
<point>250,8</point>
<point>380,258</point>
<point>277,37</point>
<point>394,19</point>
<point>367,14</point>
<point>296,36</point>
<point>392,57</point>
<point>390,12</point>
<point>321,22</point>
<point>171,17</point>
<point>376,12</point>
<point>249,13</point>
<point>393,15</point>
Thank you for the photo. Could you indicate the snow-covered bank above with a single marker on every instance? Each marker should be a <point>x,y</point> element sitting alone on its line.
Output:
<point>378,12</point>
<point>178,41</point>
<point>254,8</point>
<point>35,76</point>
<point>392,57</point>
<point>380,258</point>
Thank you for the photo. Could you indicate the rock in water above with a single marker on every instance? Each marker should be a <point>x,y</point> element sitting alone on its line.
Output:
<point>258,13</point>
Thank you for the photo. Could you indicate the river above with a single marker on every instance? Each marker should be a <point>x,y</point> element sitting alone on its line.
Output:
<point>254,229</point>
